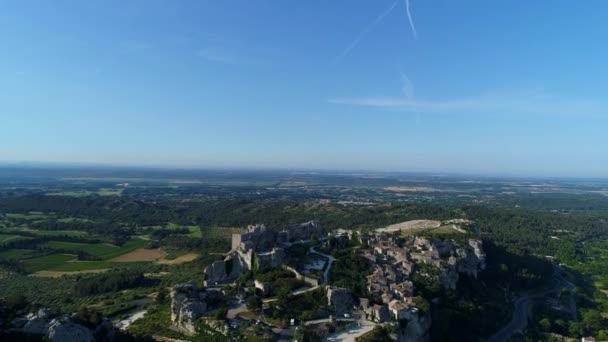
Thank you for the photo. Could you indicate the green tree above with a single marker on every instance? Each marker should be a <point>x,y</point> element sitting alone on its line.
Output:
<point>545,324</point>
<point>254,302</point>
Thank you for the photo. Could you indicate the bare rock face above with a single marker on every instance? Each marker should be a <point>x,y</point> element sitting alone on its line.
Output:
<point>449,277</point>
<point>273,259</point>
<point>415,329</point>
<point>477,246</point>
<point>37,323</point>
<point>187,305</point>
<point>222,271</point>
<point>64,329</point>
<point>305,231</point>
<point>472,259</point>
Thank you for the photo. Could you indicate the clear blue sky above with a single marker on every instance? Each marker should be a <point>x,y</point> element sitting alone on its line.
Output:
<point>498,87</point>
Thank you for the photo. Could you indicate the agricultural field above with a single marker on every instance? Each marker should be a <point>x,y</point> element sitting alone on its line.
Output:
<point>32,215</point>
<point>141,254</point>
<point>100,250</point>
<point>222,232</point>
<point>15,254</point>
<point>5,238</point>
<point>76,266</point>
<point>47,262</point>
<point>195,231</point>
<point>72,233</point>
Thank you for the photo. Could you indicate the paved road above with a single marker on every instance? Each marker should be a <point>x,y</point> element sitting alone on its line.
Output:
<point>327,320</point>
<point>234,311</point>
<point>350,334</point>
<point>523,309</point>
<point>330,262</point>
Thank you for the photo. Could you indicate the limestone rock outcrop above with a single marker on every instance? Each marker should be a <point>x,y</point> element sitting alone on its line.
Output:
<point>227,270</point>
<point>188,304</point>
<point>415,329</point>
<point>472,258</point>
<point>64,329</point>
<point>37,323</point>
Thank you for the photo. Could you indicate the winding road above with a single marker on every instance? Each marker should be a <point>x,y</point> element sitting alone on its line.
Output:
<point>523,308</point>
<point>330,260</point>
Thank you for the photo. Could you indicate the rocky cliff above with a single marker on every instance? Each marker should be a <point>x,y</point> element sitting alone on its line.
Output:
<point>188,304</point>
<point>58,329</point>
<point>415,329</point>
<point>64,329</point>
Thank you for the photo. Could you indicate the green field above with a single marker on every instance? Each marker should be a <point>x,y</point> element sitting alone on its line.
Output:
<point>102,251</point>
<point>221,232</point>
<point>195,231</point>
<point>15,254</point>
<point>32,215</point>
<point>73,219</point>
<point>6,238</point>
<point>74,266</point>
<point>73,233</point>
<point>47,262</point>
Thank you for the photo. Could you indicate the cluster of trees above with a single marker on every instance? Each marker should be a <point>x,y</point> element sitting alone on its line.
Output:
<point>108,282</point>
<point>116,211</point>
<point>280,280</point>
<point>350,271</point>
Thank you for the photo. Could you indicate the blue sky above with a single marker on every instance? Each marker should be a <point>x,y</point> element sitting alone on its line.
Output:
<point>486,87</point>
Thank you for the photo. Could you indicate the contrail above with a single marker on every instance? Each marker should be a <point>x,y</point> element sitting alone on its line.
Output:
<point>366,30</point>
<point>408,93</point>
<point>409,17</point>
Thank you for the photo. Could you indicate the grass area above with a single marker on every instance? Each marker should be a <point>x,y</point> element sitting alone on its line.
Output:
<point>73,219</point>
<point>47,262</point>
<point>74,266</point>
<point>15,254</point>
<point>72,233</point>
<point>100,250</point>
<point>7,238</point>
<point>156,322</point>
<point>195,231</point>
<point>57,274</point>
<point>447,229</point>
<point>221,232</point>
<point>32,215</point>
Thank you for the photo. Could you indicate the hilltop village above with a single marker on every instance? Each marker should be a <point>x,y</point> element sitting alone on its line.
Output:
<point>282,283</point>
<point>263,259</point>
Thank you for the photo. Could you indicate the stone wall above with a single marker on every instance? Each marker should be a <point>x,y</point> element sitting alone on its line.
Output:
<point>272,259</point>
<point>308,280</point>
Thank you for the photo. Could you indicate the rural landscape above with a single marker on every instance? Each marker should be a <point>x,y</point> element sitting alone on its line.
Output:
<point>303,171</point>
<point>122,251</point>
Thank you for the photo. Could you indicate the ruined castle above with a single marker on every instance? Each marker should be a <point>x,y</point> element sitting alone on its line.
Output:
<point>260,247</point>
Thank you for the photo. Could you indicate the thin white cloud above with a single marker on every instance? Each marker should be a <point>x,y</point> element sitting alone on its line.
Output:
<point>408,93</point>
<point>531,102</point>
<point>409,18</point>
<point>365,31</point>
<point>218,54</point>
